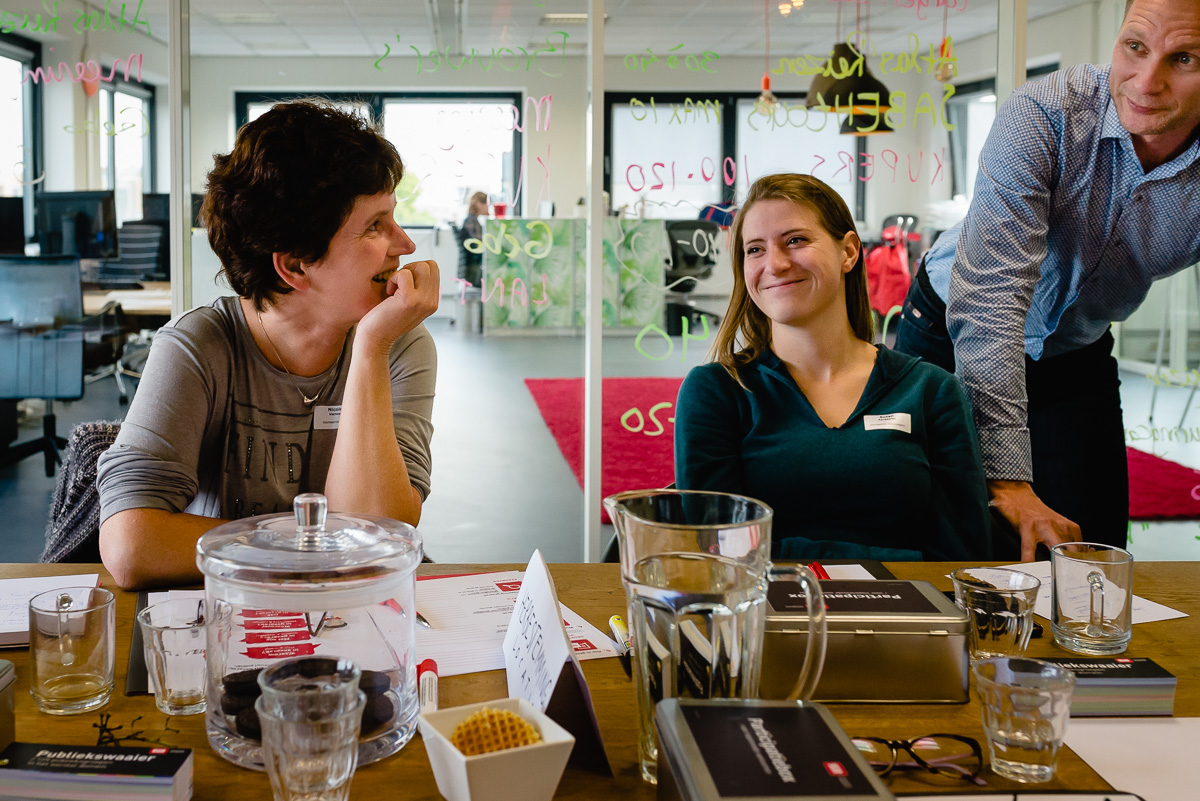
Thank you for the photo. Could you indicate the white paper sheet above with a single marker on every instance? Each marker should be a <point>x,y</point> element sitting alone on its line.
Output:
<point>1144,611</point>
<point>1153,758</point>
<point>470,615</point>
<point>14,602</point>
<point>848,572</point>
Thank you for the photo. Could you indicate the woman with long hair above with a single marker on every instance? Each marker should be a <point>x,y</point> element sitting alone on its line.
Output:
<point>862,452</point>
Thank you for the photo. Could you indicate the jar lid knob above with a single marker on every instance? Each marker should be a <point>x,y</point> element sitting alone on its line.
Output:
<point>310,510</point>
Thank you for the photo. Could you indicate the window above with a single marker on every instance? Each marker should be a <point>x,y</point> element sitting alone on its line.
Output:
<point>453,145</point>
<point>18,134</point>
<point>653,171</point>
<point>126,149</point>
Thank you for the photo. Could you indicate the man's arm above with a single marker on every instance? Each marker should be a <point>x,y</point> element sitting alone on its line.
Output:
<point>997,263</point>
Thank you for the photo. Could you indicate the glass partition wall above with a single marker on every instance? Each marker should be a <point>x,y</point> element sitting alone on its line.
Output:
<point>496,98</point>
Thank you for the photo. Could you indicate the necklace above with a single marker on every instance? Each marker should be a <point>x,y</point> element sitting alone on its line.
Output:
<point>307,400</point>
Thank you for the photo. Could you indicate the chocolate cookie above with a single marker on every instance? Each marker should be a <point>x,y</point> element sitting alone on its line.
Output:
<point>376,714</point>
<point>374,682</point>
<point>233,704</point>
<point>242,683</point>
<point>248,725</point>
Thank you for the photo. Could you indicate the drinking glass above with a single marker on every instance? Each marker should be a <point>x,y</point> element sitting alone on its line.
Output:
<point>1091,597</point>
<point>72,649</point>
<point>310,686</point>
<point>999,604</point>
<point>173,638</point>
<point>695,566</point>
<point>1025,706</point>
<point>310,757</point>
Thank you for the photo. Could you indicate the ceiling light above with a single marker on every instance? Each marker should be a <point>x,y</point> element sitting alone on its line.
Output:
<point>246,18</point>
<point>842,94</point>
<point>785,8</point>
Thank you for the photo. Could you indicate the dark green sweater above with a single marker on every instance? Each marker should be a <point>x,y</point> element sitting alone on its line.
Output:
<point>866,489</point>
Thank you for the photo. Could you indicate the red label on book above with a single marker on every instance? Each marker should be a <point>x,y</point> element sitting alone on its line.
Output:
<point>582,645</point>
<point>835,769</point>
<point>508,586</point>
<point>275,624</point>
<point>275,636</point>
<point>280,651</point>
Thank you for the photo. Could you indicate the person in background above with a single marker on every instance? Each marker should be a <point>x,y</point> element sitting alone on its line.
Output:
<point>317,377</point>
<point>1086,194</point>
<point>470,264</point>
<point>862,452</point>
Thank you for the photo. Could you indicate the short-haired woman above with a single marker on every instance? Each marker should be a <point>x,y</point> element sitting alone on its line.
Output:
<point>318,376</point>
<point>862,452</point>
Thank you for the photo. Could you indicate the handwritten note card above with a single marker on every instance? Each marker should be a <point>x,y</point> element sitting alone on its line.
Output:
<point>14,602</point>
<point>1143,611</point>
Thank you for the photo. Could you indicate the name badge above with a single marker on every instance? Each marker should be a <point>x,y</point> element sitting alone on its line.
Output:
<point>326,417</point>
<point>900,421</point>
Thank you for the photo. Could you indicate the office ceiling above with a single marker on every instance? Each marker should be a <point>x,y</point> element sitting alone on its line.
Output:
<point>727,27</point>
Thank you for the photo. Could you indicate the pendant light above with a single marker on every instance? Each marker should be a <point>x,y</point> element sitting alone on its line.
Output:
<point>766,102</point>
<point>842,93</point>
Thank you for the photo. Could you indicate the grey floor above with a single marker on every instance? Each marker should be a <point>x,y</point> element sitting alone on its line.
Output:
<point>500,486</point>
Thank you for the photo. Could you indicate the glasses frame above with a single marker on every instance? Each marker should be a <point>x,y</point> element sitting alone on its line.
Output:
<point>896,746</point>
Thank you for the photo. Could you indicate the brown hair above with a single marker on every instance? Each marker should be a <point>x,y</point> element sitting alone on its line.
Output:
<point>287,187</point>
<point>745,332</point>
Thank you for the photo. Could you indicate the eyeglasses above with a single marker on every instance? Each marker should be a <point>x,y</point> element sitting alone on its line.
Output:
<point>943,754</point>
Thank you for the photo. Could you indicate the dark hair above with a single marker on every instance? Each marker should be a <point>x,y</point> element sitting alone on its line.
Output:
<point>744,321</point>
<point>287,187</point>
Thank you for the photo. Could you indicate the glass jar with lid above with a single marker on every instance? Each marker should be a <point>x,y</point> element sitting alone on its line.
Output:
<point>278,586</point>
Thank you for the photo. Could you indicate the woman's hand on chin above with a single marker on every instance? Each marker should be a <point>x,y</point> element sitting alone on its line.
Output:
<point>413,292</point>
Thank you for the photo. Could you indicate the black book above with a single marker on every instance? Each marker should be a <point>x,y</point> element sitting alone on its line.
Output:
<point>41,771</point>
<point>1119,685</point>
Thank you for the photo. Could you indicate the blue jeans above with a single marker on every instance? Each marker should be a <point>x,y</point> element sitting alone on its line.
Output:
<point>1076,431</point>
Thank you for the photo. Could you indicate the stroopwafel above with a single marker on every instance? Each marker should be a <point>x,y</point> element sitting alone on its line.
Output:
<point>493,730</point>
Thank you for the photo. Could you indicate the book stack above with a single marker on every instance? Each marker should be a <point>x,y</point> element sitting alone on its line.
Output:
<point>1119,686</point>
<point>37,771</point>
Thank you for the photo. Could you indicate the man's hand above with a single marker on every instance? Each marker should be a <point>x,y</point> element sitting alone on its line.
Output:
<point>413,293</point>
<point>1035,521</point>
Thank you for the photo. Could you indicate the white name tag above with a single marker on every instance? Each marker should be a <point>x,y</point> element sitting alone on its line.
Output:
<point>900,421</point>
<point>327,417</point>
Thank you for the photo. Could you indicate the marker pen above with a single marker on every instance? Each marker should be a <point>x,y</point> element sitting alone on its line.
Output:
<point>427,684</point>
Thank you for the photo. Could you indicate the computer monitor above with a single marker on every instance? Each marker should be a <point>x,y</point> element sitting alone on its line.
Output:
<point>156,208</point>
<point>12,225</point>
<point>80,224</point>
<point>40,290</point>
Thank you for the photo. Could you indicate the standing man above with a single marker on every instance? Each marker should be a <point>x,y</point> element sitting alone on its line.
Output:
<point>1088,191</point>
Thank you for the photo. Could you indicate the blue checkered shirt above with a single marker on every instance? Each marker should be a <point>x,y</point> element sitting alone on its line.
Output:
<point>1064,236</point>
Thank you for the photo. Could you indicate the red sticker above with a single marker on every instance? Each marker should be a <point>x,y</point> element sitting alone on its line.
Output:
<point>266,613</point>
<point>835,769</point>
<point>280,651</point>
<point>582,645</point>
<point>159,750</point>
<point>256,638</point>
<point>509,586</point>
<point>275,624</point>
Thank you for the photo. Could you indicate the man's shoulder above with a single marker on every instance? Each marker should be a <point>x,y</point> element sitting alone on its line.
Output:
<point>1076,88</point>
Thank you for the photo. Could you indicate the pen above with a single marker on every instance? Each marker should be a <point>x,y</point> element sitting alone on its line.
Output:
<point>427,683</point>
<point>621,634</point>
<point>421,619</point>
<point>819,569</point>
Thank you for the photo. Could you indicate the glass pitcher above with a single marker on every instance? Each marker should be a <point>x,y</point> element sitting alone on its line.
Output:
<point>695,566</point>
<point>279,586</point>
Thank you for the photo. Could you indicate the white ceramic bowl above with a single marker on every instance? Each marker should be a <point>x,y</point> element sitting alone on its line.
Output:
<point>527,773</point>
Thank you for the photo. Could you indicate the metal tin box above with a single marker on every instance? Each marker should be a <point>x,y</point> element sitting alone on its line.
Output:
<point>726,750</point>
<point>8,683</point>
<point>889,642</point>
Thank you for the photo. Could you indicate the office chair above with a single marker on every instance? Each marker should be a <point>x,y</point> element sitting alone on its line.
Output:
<point>41,344</point>
<point>145,255</point>
<point>692,259</point>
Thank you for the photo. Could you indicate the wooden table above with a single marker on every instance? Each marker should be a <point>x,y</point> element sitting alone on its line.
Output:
<point>595,592</point>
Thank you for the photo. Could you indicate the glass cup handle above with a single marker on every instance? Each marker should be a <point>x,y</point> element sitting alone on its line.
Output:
<point>814,654</point>
<point>1096,604</point>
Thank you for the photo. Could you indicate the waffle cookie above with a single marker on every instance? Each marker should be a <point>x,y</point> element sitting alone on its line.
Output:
<point>493,730</point>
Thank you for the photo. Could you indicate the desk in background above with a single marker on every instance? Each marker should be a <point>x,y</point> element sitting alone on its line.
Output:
<point>595,592</point>
<point>152,300</point>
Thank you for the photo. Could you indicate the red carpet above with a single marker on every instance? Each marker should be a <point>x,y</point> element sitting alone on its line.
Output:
<point>1161,490</point>
<point>636,454</point>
